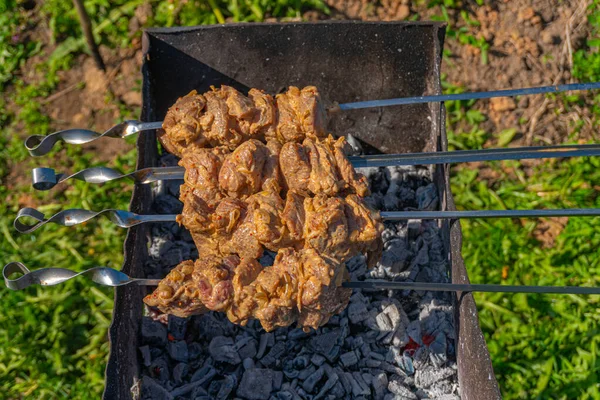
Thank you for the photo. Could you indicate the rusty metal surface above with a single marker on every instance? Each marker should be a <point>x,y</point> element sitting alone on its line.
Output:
<point>347,61</point>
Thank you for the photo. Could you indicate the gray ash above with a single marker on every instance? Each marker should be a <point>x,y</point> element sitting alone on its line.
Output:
<point>385,345</point>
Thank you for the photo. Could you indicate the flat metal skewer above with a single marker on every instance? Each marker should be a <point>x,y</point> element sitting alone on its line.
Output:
<point>112,277</point>
<point>126,219</point>
<point>38,145</point>
<point>47,178</point>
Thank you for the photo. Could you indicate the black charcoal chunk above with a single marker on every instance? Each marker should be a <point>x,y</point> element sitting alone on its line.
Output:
<point>179,372</point>
<point>222,349</point>
<point>153,332</point>
<point>159,369</point>
<point>274,355</point>
<point>256,384</point>
<point>146,355</point>
<point>178,350</point>
<point>277,380</point>
<point>151,390</point>
<point>203,375</point>
<point>357,312</point>
<point>312,380</point>
<point>348,359</point>
<point>248,350</point>
<point>177,327</point>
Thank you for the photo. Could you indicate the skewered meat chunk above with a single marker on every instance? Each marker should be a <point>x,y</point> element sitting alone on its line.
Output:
<point>301,114</point>
<point>225,117</point>
<point>250,168</point>
<point>300,286</point>
<point>208,283</point>
<point>320,166</point>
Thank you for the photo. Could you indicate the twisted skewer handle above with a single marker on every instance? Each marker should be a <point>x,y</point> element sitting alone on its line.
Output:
<point>39,145</point>
<point>47,178</point>
<point>54,276</point>
<point>75,216</point>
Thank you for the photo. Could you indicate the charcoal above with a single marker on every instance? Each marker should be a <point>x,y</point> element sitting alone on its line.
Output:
<point>159,369</point>
<point>296,334</point>
<point>348,359</point>
<point>273,356</point>
<point>166,204</point>
<point>317,359</point>
<point>379,384</point>
<point>220,390</point>
<point>194,350</point>
<point>153,332</point>
<point>203,375</point>
<point>396,387</point>
<point>364,386</point>
<point>338,390</point>
<point>305,373</point>
<point>427,197</point>
<point>177,327</point>
<point>356,388</point>
<point>248,349</point>
<point>159,246</point>
<point>368,378</point>
<point>283,395</point>
<point>151,390</point>
<point>248,363</point>
<point>222,349</point>
<point>209,325</point>
<point>383,322</point>
<point>428,376</point>
<point>179,372</point>
<point>344,380</point>
<point>256,384</point>
<point>277,380</point>
<point>357,312</point>
<point>327,387</point>
<point>312,380</point>
<point>146,356</point>
<point>178,350</point>
<point>262,345</point>
<point>324,343</point>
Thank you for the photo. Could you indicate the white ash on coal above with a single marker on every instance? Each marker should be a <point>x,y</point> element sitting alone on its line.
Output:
<point>385,345</point>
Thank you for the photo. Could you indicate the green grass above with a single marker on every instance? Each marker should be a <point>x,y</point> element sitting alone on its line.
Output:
<point>53,340</point>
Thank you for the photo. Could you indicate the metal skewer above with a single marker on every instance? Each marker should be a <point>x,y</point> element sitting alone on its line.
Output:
<point>112,277</point>
<point>126,219</point>
<point>39,145</point>
<point>46,178</point>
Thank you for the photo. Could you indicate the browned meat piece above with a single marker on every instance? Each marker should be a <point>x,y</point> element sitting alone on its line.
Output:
<point>208,284</point>
<point>265,118</point>
<point>295,166</point>
<point>202,172</point>
<point>276,291</point>
<point>177,293</point>
<point>181,129</point>
<point>294,216</point>
<point>324,176</point>
<point>320,294</point>
<point>355,180</point>
<point>326,226</point>
<point>250,168</point>
<point>269,229</point>
<point>301,114</point>
<point>365,229</point>
<point>320,166</point>
<point>341,228</point>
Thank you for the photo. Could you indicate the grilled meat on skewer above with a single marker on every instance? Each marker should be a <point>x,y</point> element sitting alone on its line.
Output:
<point>225,117</point>
<point>300,286</point>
